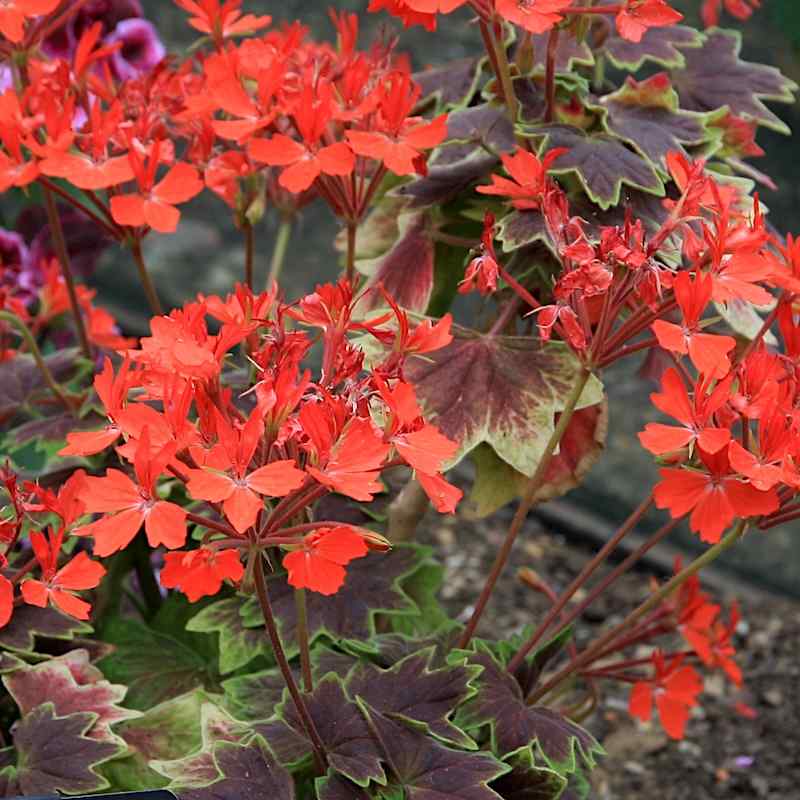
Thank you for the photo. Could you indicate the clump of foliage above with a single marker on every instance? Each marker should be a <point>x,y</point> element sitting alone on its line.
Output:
<point>201,586</point>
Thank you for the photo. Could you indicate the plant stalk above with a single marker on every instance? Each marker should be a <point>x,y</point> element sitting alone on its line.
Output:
<point>320,757</point>
<point>591,652</point>
<point>144,277</point>
<point>249,254</point>
<point>279,253</point>
<point>525,504</point>
<point>406,512</point>
<point>352,229</point>
<point>60,244</point>
<point>302,639</point>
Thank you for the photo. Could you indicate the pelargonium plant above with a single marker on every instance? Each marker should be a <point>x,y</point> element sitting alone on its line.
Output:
<point>204,584</point>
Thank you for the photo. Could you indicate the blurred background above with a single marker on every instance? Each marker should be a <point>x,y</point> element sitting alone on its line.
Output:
<point>206,255</point>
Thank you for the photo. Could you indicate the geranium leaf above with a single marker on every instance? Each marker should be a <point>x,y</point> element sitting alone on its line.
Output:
<point>527,780</point>
<point>335,787</point>
<point>662,45</point>
<point>451,85</point>
<point>239,644</point>
<point>485,126</point>
<point>374,586</point>
<point>646,114</point>
<point>246,772</point>
<point>72,685</point>
<point>569,52</point>
<point>405,270</point>
<point>500,705</point>
<point>420,768</point>
<point>165,732</point>
<point>715,77</point>
<point>22,384</point>
<point>55,754</point>
<point>521,228</point>
<point>350,747</point>
<point>498,483</point>
<point>153,665</point>
<point>412,690</point>
<point>30,623</point>
<point>502,390</point>
<point>602,163</point>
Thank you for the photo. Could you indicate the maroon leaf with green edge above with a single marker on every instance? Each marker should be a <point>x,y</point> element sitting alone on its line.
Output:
<point>374,586</point>
<point>602,163</point>
<point>501,390</point>
<point>646,114</point>
<point>22,384</point>
<point>153,665</point>
<point>450,85</point>
<point>664,46</point>
<point>420,768</point>
<point>449,178</point>
<point>394,647</point>
<point>239,643</point>
<point>71,684</point>
<point>165,732</point>
<point>55,754</point>
<point>714,77</point>
<point>54,428</point>
<point>521,228</point>
<point>350,747</point>
<point>405,271</point>
<point>484,126</point>
<point>513,724</point>
<point>528,780</point>
<point>413,691</point>
<point>30,623</point>
<point>498,483</point>
<point>247,772</point>
<point>335,787</point>
<point>569,52</point>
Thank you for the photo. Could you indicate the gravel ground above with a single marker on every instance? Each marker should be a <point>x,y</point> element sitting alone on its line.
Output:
<point>724,754</point>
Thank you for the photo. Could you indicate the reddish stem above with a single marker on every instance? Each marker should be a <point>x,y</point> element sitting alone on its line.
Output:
<point>550,75</point>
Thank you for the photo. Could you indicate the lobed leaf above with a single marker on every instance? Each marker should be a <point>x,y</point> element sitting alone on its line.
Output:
<point>662,46</point>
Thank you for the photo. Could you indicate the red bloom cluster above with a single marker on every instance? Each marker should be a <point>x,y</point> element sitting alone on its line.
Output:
<point>258,461</point>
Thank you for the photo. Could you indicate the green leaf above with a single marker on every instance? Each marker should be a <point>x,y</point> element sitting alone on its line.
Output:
<point>153,665</point>
<point>71,684</point>
<point>421,768</point>
<point>663,46</point>
<point>716,77</point>
<point>499,704</point>
<point>56,754</point>
<point>501,390</point>
<point>602,163</point>
<point>411,690</point>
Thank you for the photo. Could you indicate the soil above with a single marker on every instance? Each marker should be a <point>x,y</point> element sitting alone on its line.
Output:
<point>724,755</point>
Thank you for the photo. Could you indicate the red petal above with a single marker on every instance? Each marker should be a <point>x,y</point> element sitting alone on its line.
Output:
<point>276,479</point>
<point>80,573</point>
<point>128,209</point>
<point>279,151</point>
<point>34,593</point>
<point>166,524</point>
<point>211,486</point>
<point>307,571</point>
<point>113,533</point>
<point>6,600</point>
<point>70,604</point>
<point>242,508</point>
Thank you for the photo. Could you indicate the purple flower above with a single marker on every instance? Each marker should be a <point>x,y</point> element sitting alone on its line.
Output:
<point>17,272</point>
<point>141,48</point>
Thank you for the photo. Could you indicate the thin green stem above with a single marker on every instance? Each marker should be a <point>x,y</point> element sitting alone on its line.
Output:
<point>320,757</point>
<point>352,230</point>
<point>144,277</point>
<point>525,504</point>
<point>249,254</point>
<point>60,244</point>
<point>30,341</point>
<point>279,253</point>
<point>602,644</point>
<point>302,639</point>
<point>579,581</point>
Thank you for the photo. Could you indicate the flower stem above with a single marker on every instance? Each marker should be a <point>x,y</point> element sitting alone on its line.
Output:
<point>525,504</point>
<point>144,277</point>
<point>579,581</point>
<point>279,253</point>
<point>320,757</point>
<point>302,639</point>
<point>550,75</point>
<point>249,254</point>
<point>57,234</point>
<point>406,512</point>
<point>352,229</point>
<point>30,341</point>
<point>601,645</point>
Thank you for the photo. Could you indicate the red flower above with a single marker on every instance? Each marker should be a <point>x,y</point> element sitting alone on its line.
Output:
<point>741,9</point>
<point>403,11</point>
<point>536,16</point>
<point>674,688</point>
<point>483,271</point>
<point>154,205</point>
<point>708,352</point>
<point>221,21</point>
<point>237,488</point>
<point>696,415</point>
<point>13,14</point>
<point>133,504</point>
<point>636,16</point>
<point>320,564</point>
<point>715,497</point>
<point>200,573</point>
<point>6,601</point>
<point>529,174</point>
<point>58,585</point>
